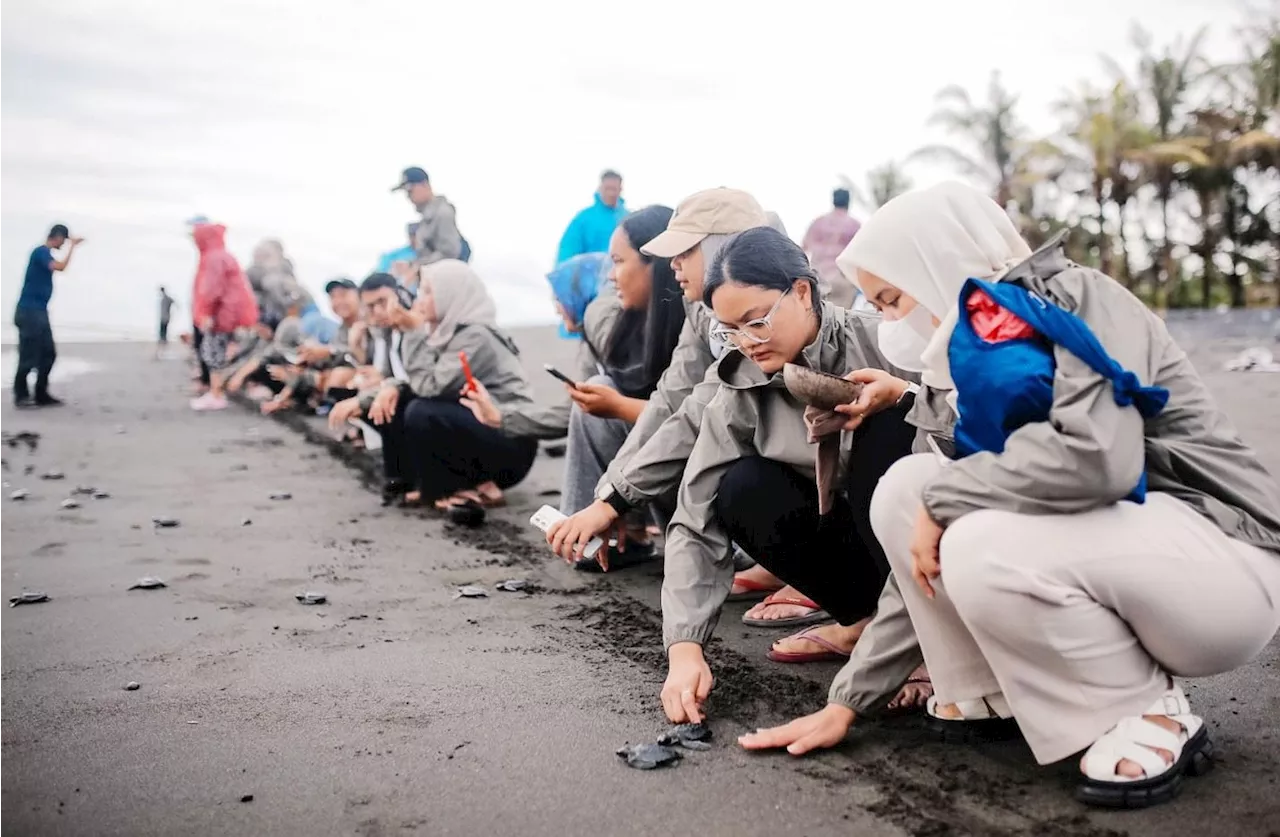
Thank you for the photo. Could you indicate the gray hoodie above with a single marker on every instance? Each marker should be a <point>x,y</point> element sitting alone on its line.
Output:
<point>649,465</point>
<point>751,415</point>
<point>552,421</point>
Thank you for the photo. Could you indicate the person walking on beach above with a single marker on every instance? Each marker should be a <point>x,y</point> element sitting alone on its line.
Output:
<point>591,229</point>
<point>36,349</point>
<point>166,308</point>
<point>222,302</point>
<point>825,239</point>
<point>436,236</point>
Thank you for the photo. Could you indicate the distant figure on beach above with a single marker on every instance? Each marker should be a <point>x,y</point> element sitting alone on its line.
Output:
<point>826,238</point>
<point>166,308</point>
<point>36,349</point>
<point>436,236</point>
<point>591,229</point>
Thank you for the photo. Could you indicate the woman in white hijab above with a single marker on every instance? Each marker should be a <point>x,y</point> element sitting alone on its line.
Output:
<point>1038,587</point>
<point>450,347</point>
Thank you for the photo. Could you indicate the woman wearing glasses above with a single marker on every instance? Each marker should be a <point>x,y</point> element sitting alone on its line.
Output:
<point>752,478</point>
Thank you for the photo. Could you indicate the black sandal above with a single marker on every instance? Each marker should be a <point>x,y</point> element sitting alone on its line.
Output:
<point>980,722</point>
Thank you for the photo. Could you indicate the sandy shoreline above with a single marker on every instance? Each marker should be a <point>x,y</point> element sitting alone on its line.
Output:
<point>395,708</point>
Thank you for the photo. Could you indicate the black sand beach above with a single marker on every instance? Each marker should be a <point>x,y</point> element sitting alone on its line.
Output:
<point>397,709</point>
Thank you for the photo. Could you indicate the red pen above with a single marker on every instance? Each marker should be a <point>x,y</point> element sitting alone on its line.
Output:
<point>466,370</point>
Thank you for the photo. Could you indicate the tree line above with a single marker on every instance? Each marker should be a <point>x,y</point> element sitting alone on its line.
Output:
<point>1165,174</point>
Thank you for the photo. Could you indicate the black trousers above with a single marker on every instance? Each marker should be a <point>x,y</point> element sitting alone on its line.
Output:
<point>197,340</point>
<point>771,511</point>
<point>36,352</point>
<point>439,446</point>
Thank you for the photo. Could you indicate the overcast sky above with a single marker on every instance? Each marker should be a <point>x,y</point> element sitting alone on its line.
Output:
<point>293,119</point>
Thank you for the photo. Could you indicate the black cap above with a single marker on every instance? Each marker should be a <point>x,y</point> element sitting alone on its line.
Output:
<point>334,284</point>
<point>411,176</point>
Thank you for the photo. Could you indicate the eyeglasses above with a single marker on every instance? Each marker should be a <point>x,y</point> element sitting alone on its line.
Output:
<point>757,331</point>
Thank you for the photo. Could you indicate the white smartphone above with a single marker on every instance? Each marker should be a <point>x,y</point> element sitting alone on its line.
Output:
<point>372,438</point>
<point>544,517</point>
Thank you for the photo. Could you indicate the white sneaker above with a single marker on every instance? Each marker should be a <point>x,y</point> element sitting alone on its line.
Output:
<point>208,401</point>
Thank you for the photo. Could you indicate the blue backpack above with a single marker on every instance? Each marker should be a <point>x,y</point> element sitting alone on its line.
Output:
<point>1002,386</point>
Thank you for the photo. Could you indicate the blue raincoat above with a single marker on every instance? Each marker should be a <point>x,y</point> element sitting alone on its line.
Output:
<point>1002,386</point>
<point>404,254</point>
<point>590,229</point>
<point>575,283</point>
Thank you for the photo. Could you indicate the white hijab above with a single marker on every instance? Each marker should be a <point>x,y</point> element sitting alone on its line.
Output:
<point>927,243</point>
<point>460,299</point>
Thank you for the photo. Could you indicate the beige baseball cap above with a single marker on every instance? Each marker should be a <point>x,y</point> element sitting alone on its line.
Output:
<point>711,212</point>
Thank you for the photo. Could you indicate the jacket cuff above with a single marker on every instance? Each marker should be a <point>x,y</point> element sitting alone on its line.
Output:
<point>691,633</point>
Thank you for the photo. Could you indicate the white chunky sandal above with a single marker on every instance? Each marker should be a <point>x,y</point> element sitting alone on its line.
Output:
<point>985,719</point>
<point>1136,739</point>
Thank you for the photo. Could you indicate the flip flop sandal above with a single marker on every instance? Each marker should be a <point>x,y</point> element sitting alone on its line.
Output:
<point>983,720</point>
<point>832,652</point>
<point>754,591</point>
<point>818,614</point>
<point>1132,740</point>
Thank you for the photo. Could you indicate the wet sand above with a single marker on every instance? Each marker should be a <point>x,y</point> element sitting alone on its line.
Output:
<point>397,709</point>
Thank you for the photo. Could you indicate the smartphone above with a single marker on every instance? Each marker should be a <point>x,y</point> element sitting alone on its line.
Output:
<point>942,447</point>
<point>372,438</point>
<point>466,370</point>
<point>544,517</point>
<point>556,373</point>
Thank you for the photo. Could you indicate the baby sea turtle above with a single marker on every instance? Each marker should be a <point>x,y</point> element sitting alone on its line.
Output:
<point>148,582</point>
<point>246,522</point>
<point>470,592</point>
<point>165,522</point>
<point>689,736</point>
<point>311,598</point>
<point>471,515</point>
<point>28,598</point>
<point>53,475</point>
<point>20,494</point>
<point>647,756</point>
<point>281,495</point>
<point>101,495</point>
<point>132,686</point>
<point>84,489</point>
<point>70,503</point>
<point>513,585</point>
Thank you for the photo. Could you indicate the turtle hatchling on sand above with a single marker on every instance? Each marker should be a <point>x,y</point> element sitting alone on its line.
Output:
<point>310,598</point>
<point>689,736</point>
<point>470,592</point>
<point>71,503</point>
<point>648,756</point>
<point>512,585</point>
<point>165,522</point>
<point>53,475</point>
<point>20,494</point>
<point>83,489</point>
<point>28,598</point>
<point>101,495</point>
<point>148,582</point>
<point>281,495</point>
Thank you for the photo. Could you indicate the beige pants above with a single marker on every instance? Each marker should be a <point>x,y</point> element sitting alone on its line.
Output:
<point>1077,618</point>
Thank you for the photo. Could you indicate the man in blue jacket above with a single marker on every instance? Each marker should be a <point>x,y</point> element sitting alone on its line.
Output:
<point>590,229</point>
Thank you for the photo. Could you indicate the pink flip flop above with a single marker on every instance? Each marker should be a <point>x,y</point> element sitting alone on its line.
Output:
<point>832,652</point>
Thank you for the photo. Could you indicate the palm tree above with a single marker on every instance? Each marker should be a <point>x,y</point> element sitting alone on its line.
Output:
<point>992,131</point>
<point>1165,80</point>
<point>884,183</point>
<point>1104,138</point>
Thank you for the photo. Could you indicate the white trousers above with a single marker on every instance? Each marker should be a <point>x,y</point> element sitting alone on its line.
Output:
<point>1078,619</point>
